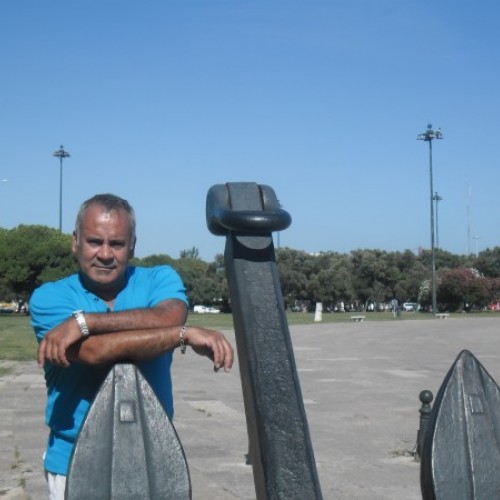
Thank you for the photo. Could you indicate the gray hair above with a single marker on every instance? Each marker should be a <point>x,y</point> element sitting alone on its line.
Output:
<point>108,202</point>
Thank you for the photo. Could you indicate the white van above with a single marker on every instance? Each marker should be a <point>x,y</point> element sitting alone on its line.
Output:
<point>205,310</point>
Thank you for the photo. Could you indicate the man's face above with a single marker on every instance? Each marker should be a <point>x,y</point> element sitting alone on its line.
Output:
<point>102,248</point>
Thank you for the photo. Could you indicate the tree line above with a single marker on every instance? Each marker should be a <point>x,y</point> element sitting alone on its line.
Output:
<point>31,255</point>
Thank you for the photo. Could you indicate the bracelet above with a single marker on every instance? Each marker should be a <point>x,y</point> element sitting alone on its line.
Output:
<point>80,319</point>
<point>182,342</point>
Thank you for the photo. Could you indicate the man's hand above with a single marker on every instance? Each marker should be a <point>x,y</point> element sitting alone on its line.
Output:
<point>54,345</point>
<point>211,344</point>
<point>111,343</point>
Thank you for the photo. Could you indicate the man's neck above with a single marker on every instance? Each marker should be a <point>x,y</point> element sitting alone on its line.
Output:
<point>106,293</point>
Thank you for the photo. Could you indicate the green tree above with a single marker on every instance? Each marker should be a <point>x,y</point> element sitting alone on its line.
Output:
<point>446,260</point>
<point>154,260</point>
<point>191,253</point>
<point>408,288</point>
<point>31,255</point>
<point>331,279</point>
<point>425,295</point>
<point>488,262</point>
<point>374,275</point>
<point>216,272</point>
<point>293,269</point>
<point>343,288</point>
<point>201,289</point>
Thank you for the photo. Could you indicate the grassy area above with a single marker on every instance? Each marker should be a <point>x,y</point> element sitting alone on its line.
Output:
<point>225,321</point>
<point>17,341</point>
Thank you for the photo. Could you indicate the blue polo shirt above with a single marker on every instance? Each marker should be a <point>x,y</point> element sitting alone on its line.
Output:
<point>71,390</point>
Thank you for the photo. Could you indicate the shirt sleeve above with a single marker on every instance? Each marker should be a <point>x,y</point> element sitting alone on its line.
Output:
<point>166,284</point>
<point>49,307</point>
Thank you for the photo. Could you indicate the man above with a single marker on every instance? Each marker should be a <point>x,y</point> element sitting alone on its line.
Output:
<point>108,312</point>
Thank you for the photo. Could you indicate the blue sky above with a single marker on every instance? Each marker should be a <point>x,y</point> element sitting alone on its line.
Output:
<point>159,100</point>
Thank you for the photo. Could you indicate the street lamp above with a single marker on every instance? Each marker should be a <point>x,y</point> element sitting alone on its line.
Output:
<point>437,199</point>
<point>61,154</point>
<point>428,136</point>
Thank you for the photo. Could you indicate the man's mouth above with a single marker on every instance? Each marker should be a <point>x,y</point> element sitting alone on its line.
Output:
<point>105,268</point>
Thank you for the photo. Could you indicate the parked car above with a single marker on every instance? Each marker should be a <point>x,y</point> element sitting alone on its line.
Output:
<point>8,307</point>
<point>410,306</point>
<point>205,310</point>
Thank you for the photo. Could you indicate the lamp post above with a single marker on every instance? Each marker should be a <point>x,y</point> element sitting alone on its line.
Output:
<point>61,154</point>
<point>428,136</point>
<point>437,199</point>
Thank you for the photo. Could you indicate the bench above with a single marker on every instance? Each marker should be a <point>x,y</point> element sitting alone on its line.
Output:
<point>442,315</point>
<point>357,318</point>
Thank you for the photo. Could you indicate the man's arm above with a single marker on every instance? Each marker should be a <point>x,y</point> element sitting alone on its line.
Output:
<point>135,335</point>
<point>141,345</point>
<point>55,344</point>
<point>170,312</point>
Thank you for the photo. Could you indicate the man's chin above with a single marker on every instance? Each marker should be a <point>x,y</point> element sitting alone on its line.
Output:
<point>105,279</point>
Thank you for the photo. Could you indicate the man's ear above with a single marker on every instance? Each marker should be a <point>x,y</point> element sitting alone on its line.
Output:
<point>74,242</point>
<point>132,249</point>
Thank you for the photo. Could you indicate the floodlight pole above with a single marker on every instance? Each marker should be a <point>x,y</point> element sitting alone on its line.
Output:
<point>61,154</point>
<point>428,136</point>
<point>437,199</point>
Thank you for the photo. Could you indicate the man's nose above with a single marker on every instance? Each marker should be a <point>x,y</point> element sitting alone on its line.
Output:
<point>105,252</point>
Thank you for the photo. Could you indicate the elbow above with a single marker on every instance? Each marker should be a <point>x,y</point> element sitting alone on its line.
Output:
<point>88,353</point>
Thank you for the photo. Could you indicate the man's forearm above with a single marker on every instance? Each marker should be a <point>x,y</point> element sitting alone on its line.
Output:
<point>65,338</point>
<point>140,345</point>
<point>136,345</point>
<point>135,334</point>
<point>167,313</point>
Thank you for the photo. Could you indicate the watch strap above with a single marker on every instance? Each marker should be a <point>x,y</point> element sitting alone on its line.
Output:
<point>80,319</point>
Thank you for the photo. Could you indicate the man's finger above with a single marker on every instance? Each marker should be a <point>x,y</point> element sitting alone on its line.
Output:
<point>224,355</point>
<point>228,357</point>
<point>61,354</point>
<point>40,355</point>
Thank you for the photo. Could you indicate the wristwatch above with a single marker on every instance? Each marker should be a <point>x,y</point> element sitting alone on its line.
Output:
<point>80,319</point>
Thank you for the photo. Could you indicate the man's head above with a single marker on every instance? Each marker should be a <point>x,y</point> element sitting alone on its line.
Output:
<point>103,242</point>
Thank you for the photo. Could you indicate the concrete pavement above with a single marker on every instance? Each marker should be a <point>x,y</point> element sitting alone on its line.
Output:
<point>360,383</point>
